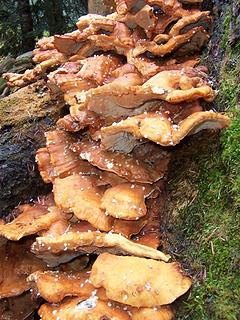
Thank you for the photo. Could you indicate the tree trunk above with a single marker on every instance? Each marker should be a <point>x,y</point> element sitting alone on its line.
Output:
<point>53,12</point>
<point>26,23</point>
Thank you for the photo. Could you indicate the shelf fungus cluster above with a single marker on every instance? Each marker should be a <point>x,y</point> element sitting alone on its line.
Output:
<point>134,89</point>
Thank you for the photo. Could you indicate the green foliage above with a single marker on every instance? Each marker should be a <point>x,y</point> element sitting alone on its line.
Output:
<point>10,32</point>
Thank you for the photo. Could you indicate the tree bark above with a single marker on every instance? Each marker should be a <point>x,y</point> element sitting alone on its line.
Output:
<point>218,54</point>
<point>53,12</point>
<point>26,23</point>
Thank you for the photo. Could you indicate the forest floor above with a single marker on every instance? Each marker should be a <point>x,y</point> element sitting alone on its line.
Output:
<point>204,197</point>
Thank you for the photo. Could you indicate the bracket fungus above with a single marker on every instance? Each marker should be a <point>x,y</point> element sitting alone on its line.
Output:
<point>54,286</point>
<point>93,242</point>
<point>126,201</point>
<point>17,263</point>
<point>31,220</point>
<point>148,283</point>
<point>78,194</point>
<point>133,88</point>
<point>160,129</point>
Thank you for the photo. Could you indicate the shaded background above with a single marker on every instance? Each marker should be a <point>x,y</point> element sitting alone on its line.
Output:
<point>23,22</point>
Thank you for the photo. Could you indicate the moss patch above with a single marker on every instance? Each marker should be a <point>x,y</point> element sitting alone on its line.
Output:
<point>204,194</point>
<point>208,228</point>
<point>26,105</point>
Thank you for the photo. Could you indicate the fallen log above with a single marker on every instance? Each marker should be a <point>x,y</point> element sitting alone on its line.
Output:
<point>24,117</point>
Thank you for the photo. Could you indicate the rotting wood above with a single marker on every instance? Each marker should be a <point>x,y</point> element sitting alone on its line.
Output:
<point>24,117</point>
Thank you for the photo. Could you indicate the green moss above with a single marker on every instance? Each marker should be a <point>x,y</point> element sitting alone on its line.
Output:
<point>231,156</point>
<point>24,106</point>
<point>209,226</point>
<point>226,33</point>
<point>229,91</point>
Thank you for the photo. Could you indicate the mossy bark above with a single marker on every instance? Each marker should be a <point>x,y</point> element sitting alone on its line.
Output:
<point>221,51</point>
<point>24,117</point>
<point>103,7</point>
